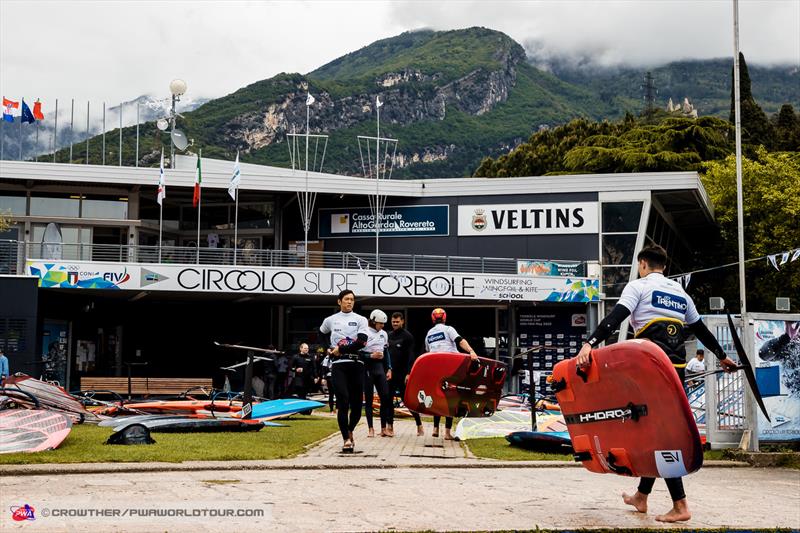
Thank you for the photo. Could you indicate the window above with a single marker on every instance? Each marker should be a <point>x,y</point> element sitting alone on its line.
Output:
<point>621,216</point>
<point>56,205</point>
<point>13,202</point>
<point>104,207</point>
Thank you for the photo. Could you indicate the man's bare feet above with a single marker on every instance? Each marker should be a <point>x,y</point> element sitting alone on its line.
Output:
<point>389,432</point>
<point>448,435</point>
<point>420,431</point>
<point>371,432</point>
<point>678,513</point>
<point>638,500</point>
<point>435,433</point>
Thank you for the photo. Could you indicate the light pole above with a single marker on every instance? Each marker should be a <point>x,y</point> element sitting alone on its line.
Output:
<point>177,88</point>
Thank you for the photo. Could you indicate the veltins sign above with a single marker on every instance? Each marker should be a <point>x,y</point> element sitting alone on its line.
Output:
<point>312,282</point>
<point>528,219</point>
<point>396,221</point>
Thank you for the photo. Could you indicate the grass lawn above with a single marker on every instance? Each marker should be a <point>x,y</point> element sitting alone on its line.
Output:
<point>499,448</point>
<point>86,444</point>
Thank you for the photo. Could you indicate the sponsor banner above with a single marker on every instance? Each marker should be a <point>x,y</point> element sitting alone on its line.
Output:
<point>777,368</point>
<point>528,219</point>
<point>550,268</point>
<point>317,282</point>
<point>396,221</point>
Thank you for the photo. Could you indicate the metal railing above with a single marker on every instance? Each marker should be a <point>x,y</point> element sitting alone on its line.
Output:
<point>14,253</point>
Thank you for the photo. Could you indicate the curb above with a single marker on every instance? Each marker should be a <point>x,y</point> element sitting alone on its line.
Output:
<point>201,466</point>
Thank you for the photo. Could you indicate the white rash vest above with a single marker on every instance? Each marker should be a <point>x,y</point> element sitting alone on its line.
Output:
<point>441,338</point>
<point>653,297</point>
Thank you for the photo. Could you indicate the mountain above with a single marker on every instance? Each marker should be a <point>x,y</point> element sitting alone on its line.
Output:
<point>707,84</point>
<point>451,98</point>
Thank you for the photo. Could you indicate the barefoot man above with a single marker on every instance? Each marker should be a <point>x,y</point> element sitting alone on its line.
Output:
<point>660,311</point>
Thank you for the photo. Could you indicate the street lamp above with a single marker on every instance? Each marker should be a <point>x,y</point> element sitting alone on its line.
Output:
<point>177,88</point>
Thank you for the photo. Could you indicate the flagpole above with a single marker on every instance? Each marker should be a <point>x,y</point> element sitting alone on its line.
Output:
<point>160,209</point>
<point>55,132</point>
<point>2,138</point>
<point>71,128</point>
<point>236,226</point>
<point>137,134</point>
<point>22,103</point>
<point>36,149</point>
<point>104,134</point>
<point>377,186</point>
<point>308,214</point>
<point>120,134</point>
<point>199,201</point>
<point>87,132</point>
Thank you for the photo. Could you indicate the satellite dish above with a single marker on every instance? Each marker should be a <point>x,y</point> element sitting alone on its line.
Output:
<point>179,139</point>
<point>162,124</point>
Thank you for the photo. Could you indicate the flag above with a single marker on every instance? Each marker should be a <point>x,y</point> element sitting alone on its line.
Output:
<point>8,107</point>
<point>236,178</point>
<point>37,110</point>
<point>198,178</point>
<point>796,254</point>
<point>162,187</point>
<point>310,99</point>
<point>784,257</point>
<point>378,101</point>
<point>771,259</point>
<point>27,116</point>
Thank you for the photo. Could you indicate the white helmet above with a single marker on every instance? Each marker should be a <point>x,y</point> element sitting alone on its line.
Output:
<point>378,316</point>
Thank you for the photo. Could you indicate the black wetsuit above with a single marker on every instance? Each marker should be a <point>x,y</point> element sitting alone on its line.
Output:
<point>401,350</point>
<point>375,378</point>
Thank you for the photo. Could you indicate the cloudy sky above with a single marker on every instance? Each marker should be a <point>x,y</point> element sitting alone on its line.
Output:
<point>113,51</point>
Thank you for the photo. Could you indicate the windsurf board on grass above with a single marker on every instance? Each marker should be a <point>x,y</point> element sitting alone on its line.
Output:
<point>32,430</point>
<point>499,424</point>
<point>541,441</point>
<point>193,425</point>
<point>51,397</point>
<point>284,407</point>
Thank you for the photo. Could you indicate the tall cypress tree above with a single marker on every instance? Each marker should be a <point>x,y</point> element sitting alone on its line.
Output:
<point>756,128</point>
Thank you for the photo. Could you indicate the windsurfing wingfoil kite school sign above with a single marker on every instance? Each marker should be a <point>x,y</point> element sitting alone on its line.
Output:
<point>311,282</point>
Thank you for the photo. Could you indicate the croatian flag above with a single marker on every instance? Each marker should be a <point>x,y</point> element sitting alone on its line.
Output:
<point>8,107</point>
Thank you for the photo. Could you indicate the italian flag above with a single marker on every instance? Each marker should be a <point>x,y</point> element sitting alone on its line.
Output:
<point>198,178</point>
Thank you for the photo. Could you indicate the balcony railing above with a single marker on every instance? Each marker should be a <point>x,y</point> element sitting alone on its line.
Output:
<point>14,253</point>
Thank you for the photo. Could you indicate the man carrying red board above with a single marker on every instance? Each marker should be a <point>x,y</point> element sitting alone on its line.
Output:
<point>662,312</point>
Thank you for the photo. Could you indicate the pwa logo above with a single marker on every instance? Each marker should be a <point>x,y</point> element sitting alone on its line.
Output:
<point>116,278</point>
<point>25,512</point>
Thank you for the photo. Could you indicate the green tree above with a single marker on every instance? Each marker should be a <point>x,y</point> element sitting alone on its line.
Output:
<point>771,194</point>
<point>756,128</point>
<point>787,129</point>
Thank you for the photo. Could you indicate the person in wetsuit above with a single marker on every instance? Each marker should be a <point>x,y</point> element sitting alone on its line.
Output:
<point>401,351</point>
<point>662,312</point>
<point>444,338</point>
<point>345,333</point>
<point>376,368</point>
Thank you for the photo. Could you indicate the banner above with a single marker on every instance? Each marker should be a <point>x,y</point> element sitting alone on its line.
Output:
<point>550,268</point>
<point>396,221</point>
<point>777,367</point>
<point>528,219</point>
<point>311,282</point>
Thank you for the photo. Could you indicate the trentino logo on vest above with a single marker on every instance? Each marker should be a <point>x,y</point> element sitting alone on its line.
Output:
<point>670,302</point>
<point>436,337</point>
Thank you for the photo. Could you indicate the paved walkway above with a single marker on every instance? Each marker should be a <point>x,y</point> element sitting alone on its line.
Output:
<point>406,483</point>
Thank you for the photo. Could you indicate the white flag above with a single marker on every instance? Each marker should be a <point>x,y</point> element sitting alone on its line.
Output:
<point>796,254</point>
<point>378,101</point>
<point>785,257</point>
<point>771,259</point>
<point>310,99</point>
<point>688,278</point>
<point>236,178</point>
<point>162,188</point>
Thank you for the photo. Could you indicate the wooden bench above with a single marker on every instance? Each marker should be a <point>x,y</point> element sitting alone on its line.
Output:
<point>143,386</point>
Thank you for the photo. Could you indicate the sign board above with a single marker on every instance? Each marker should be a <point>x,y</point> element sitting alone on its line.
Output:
<point>550,268</point>
<point>777,367</point>
<point>312,282</point>
<point>528,219</point>
<point>396,221</point>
